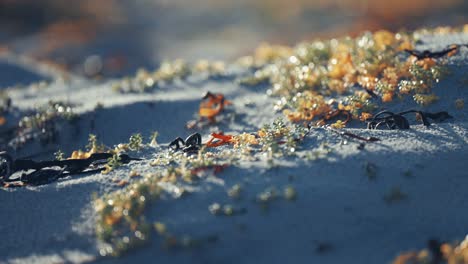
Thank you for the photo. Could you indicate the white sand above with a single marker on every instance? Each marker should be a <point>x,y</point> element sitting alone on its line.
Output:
<point>337,204</point>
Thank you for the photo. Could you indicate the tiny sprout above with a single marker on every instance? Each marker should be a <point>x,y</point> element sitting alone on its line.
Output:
<point>112,163</point>
<point>140,235</point>
<point>267,195</point>
<point>92,142</point>
<point>59,155</point>
<point>228,210</point>
<point>235,191</point>
<point>215,208</point>
<point>136,142</point>
<point>153,139</point>
<point>93,146</point>
<point>290,193</point>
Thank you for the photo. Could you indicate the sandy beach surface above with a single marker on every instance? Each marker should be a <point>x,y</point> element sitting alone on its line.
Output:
<point>342,212</point>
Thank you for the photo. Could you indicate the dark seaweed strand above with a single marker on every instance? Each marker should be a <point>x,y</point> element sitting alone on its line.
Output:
<point>68,167</point>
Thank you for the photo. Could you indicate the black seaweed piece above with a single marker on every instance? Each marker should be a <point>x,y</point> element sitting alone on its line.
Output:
<point>177,143</point>
<point>48,171</point>
<point>389,119</point>
<point>191,144</point>
<point>193,140</point>
<point>429,54</point>
<point>398,121</point>
<point>434,246</point>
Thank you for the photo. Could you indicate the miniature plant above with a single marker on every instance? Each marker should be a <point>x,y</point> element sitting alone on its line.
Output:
<point>42,124</point>
<point>59,155</point>
<point>215,209</point>
<point>136,142</point>
<point>146,81</point>
<point>112,163</point>
<point>224,210</point>
<point>121,224</point>
<point>235,191</point>
<point>93,145</point>
<point>267,195</point>
<point>154,139</point>
<point>279,138</point>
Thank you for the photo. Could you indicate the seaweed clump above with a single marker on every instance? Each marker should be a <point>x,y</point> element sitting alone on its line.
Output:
<point>356,75</point>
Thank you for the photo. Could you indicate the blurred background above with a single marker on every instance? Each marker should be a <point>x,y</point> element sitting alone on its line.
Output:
<point>122,36</point>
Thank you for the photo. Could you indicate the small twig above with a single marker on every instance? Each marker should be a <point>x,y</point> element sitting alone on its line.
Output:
<point>335,114</point>
<point>351,135</point>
